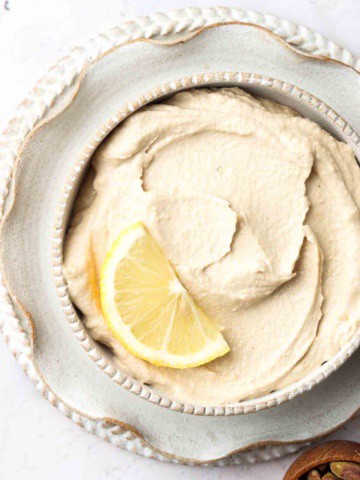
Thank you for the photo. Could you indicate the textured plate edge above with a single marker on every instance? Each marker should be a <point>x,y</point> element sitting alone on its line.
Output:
<point>62,74</point>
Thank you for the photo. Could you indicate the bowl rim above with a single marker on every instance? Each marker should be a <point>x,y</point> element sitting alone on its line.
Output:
<point>211,79</point>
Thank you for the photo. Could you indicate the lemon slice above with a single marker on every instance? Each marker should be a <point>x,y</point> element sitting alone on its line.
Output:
<point>149,311</point>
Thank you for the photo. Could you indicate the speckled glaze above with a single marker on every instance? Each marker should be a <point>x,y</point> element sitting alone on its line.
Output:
<point>78,388</point>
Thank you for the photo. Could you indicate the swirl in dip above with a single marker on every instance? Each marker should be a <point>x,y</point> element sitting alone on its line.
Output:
<point>257,208</point>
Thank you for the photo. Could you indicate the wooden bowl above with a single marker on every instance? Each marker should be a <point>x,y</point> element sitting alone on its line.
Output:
<point>334,451</point>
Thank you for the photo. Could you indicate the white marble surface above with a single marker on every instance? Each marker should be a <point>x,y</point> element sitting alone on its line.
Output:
<point>37,441</point>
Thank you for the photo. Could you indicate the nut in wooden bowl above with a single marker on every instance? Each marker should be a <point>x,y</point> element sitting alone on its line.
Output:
<point>328,461</point>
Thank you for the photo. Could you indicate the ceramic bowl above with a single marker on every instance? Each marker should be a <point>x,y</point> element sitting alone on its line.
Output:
<point>280,91</point>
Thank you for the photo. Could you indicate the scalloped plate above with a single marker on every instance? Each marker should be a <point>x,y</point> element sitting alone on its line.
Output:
<point>61,367</point>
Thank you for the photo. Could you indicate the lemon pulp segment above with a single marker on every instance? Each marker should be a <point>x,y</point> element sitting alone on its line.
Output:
<point>148,309</point>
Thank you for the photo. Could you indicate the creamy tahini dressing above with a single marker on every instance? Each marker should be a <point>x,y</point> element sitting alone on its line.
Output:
<point>257,209</point>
